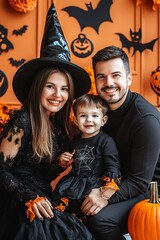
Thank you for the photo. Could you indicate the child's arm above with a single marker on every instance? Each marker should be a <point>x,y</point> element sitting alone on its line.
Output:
<point>106,193</point>
<point>112,175</point>
<point>66,159</point>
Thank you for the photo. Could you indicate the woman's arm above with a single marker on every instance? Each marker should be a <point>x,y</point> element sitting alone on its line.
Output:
<point>9,148</point>
<point>13,140</point>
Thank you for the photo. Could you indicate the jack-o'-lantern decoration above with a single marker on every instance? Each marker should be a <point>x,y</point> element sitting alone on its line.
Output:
<point>3,83</point>
<point>82,47</point>
<point>155,80</point>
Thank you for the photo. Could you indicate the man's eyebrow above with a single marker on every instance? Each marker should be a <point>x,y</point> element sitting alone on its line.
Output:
<point>116,72</point>
<point>99,74</point>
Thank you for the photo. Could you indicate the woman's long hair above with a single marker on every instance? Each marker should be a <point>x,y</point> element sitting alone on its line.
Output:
<point>42,126</point>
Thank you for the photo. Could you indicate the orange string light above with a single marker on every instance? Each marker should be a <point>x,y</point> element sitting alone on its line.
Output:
<point>155,5</point>
<point>4,116</point>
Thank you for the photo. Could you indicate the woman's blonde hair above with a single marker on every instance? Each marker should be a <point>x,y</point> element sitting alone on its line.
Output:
<point>42,126</point>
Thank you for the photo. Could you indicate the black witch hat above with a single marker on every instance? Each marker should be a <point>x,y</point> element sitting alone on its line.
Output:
<point>54,53</point>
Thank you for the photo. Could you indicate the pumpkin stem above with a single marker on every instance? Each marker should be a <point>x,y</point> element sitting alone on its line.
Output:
<point>154,193</point>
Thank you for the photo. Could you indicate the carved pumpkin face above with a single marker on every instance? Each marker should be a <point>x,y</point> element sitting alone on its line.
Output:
<point>155,82</point>
<point>82,46</point>
<point>3,83</point>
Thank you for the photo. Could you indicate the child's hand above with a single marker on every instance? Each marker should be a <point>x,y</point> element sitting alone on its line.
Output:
<point>65,159</point>
<point>106,193</point>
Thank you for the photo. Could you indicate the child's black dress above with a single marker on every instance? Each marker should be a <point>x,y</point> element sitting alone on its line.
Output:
<point>94,158</point>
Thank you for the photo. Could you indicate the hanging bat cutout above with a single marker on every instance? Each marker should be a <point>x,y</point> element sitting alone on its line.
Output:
<point>16,63</point>
<point>135,42</point>
<point>91,17</point>
<point>5,44</point>
<point>20,31</point>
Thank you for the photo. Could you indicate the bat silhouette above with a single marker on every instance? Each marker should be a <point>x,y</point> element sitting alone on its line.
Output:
<point>20,31</point>
<point>91,17</point>
<point>5,44</point>
<point>135,42</point>
<point>16,63</point>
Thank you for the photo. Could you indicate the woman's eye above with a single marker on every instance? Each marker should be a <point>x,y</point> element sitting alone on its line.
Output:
<point>49,86</point>
<point>65,89</point>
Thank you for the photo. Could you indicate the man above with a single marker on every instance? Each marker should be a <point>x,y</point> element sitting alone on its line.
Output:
<point>134,124</point>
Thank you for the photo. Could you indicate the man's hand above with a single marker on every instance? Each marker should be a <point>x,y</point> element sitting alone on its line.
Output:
<point>93,203</point>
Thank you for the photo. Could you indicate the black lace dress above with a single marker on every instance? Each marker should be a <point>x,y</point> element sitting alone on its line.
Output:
<point>23,178</point>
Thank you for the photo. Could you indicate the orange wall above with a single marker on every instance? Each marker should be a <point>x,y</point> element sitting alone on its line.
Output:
<point>125,15</point>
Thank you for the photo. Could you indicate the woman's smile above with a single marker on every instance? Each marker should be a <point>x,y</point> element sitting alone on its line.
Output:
<point>55,93</point>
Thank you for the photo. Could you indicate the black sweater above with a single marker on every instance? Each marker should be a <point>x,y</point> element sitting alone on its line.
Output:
<point>135,127</point>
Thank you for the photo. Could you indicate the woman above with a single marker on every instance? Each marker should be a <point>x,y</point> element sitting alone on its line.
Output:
<point>33,138</point>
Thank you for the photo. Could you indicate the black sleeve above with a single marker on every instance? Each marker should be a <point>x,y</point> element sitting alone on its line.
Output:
<point>13,141</point>
<point>144,154</point>
<point>111,160</point>
<point>11,186</point>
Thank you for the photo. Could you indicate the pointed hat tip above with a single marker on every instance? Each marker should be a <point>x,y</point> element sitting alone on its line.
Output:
<point>54,43</point>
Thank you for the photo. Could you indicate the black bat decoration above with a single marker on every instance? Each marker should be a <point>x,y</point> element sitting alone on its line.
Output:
<point>20,31</point>
<point>16,63</point>
<point>92,17</point>
<point>5,44</point>
<point>135,42</point>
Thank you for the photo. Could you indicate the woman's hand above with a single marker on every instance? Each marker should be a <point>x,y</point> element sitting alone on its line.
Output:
<point>42,209</point>
<point>93,203</point>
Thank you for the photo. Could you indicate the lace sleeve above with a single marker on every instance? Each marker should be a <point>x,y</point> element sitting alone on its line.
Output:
<point>10,185</point>
<point>16,134</point>
<point>14,138</point>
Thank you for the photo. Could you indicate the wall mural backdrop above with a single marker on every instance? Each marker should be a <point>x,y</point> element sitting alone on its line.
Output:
<point>89,16</point>
<point>83,47</point>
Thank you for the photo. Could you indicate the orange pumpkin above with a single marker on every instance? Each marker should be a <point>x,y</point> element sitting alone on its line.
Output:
<point>155,81</point>
<point>144,217</point>
<point>23,5</point>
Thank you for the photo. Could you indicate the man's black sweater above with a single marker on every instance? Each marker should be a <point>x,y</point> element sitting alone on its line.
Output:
<point>135,127</point>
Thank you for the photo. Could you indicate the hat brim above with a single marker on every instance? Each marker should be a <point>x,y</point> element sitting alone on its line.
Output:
<point>23,78</point>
